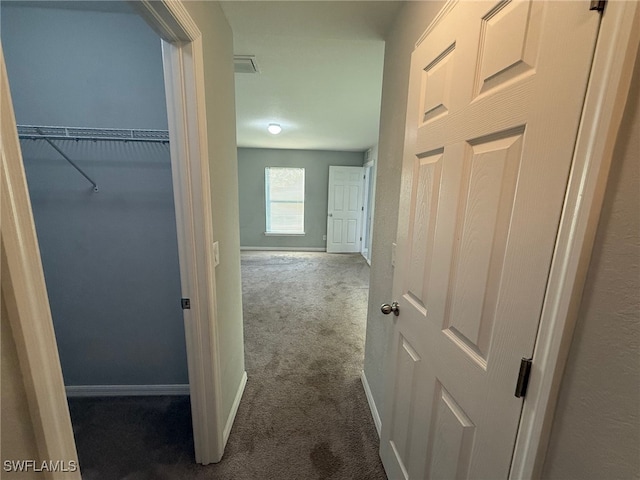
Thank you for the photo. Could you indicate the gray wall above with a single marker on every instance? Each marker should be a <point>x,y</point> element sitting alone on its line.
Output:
<point>217,41</point>
<point>411,22</point>
<point>110,258</point>
<point>251,165</point>
<point>83,69</point>
<point>596,432</point>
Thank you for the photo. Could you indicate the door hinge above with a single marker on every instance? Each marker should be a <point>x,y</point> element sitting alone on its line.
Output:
<point>186,303</point>
<point>360,238</point>
<point>523,377</point>
<point>598,5</point>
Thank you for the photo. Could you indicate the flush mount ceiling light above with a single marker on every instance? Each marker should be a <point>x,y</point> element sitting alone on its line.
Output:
<point>274,128</point>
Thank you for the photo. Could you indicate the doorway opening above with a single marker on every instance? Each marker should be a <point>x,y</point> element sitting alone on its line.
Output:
<point>110,256</point>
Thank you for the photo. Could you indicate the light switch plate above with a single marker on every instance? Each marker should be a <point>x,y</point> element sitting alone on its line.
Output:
<point>216,254</point>
<point>393,254</point>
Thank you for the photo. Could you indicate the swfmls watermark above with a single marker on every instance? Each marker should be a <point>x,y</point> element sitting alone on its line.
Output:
<point>40,466</point>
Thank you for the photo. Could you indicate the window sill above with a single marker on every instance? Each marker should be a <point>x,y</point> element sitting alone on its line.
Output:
<point>278,234</point>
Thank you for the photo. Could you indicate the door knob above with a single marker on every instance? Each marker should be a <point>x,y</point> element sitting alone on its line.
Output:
<point>387,309</point>
<point>331,214</point>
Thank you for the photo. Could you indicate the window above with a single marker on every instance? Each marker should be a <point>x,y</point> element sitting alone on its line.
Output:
<point>284,190</point>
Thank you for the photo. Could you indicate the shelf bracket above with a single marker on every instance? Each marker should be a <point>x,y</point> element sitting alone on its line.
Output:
<point>57,149</point>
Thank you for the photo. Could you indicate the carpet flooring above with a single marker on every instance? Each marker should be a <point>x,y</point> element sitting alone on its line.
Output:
<point>304,414</point>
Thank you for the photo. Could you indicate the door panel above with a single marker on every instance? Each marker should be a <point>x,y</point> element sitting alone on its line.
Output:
<point>436,85</point>
<point>344,217</point>
<point>510,36</point>
<point>495,97</point>
<point>338,199</point>
<point>355,196</point>
<point>427,173</point>
<point>452,438</point>
<point>405,402</point>
<point>488,187</point>
<point>336,224</point>
<point>352,231</point>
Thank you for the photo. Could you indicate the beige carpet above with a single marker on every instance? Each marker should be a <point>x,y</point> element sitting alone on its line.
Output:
<point>304,414</point>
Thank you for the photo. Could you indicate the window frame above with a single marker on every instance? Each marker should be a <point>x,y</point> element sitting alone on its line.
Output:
<point>269,231</point>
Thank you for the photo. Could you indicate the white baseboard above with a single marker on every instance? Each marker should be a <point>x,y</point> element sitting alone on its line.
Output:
<point>234,408</point>
<point>125,390</point>
<point>286,249</point>
<point>372,403</point>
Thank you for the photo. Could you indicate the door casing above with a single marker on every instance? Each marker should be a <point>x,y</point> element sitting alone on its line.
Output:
<point>611,71</point>
<point>184,84</point>
<point>368,212</point>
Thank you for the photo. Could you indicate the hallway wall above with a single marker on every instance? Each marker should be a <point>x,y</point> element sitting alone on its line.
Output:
<point>411,22</point>
<point>217,41</point>
<point>596,430</point>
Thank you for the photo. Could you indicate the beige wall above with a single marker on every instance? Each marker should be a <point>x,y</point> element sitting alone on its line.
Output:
<point>217,42</point>
<point>18,441</point>
<point>411,22</point>
<point>596,430</point>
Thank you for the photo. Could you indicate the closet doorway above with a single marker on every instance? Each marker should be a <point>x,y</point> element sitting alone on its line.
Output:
<point>185,128</point>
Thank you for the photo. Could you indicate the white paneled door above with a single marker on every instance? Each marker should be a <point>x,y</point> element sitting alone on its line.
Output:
<point>344,216</point>
<point>495,98</point>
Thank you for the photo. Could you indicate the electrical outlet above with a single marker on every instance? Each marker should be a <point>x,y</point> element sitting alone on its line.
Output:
<point>216,254</point>
<point>324,237</point>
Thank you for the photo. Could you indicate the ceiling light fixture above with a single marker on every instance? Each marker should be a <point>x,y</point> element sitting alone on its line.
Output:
<point>274,128</point>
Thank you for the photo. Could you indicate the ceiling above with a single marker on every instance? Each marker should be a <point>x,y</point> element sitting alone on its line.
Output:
<point>320,69</point>
<point>320,72</point>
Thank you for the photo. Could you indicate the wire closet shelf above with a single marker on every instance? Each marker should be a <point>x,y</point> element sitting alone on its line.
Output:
<point>82,133</point>
<point>48,134</point>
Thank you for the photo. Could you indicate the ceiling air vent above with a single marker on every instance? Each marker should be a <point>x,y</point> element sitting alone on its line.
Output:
<point>245,64</point>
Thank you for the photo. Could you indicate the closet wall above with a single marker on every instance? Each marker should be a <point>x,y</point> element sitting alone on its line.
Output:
<point>110,258</point>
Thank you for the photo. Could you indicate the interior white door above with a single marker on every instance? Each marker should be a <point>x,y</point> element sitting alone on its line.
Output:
<point>344,216</point>
<point>495,97</point>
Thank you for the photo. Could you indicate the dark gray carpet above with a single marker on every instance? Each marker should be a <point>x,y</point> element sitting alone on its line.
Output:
<point>304,414</point>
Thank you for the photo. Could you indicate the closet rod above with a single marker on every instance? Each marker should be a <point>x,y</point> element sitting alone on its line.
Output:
<point>46,139</point>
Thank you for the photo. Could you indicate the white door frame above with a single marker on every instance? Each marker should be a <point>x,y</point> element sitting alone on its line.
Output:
<point>23,278</point>
<point>364,233</point>
<point>607,92</point>
<point>25,294</point>
<point>184,85</point>
<point>369,203</point>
